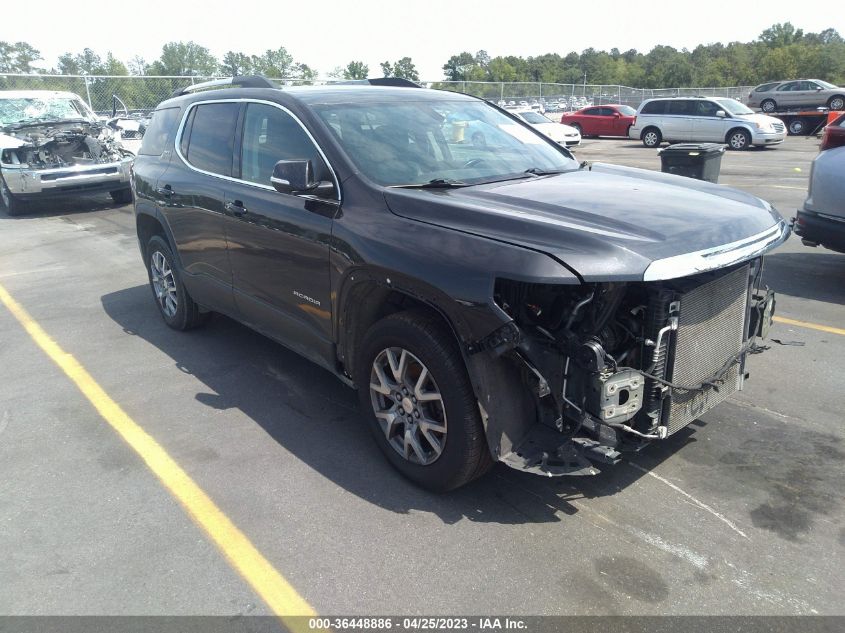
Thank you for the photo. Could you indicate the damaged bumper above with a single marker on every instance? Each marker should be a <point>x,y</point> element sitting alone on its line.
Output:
<point>615,366</point>
<point>26,183</point>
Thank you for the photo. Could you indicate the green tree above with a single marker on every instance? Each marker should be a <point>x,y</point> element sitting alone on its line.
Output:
<point>184,59</point>
<point>403,68</point>
<point>234,64</point>
<point>779,35</point>
<point>18,57</point>
<point>356,70</point>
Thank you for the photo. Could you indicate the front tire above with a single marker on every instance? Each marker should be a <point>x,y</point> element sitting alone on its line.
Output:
<point>175,305</point>
<point>11,204</point>
<point>738,139</point>
<point>836,102</point>
<point>768,106</point>
<point>414,391</point>
<point>651,137</point>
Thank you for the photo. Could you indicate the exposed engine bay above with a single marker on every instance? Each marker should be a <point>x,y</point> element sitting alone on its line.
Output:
<point>613,366</point>
<point>56,145</point>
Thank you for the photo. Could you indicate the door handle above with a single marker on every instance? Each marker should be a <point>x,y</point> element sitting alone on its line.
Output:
<point>165,191</point>
<point>236,208</point>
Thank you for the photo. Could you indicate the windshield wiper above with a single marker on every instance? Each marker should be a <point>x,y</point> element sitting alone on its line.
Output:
<point>536,171</point>
<point>437,183</point>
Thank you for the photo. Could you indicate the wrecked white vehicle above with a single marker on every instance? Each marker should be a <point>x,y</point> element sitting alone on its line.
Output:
<point>53,145</point>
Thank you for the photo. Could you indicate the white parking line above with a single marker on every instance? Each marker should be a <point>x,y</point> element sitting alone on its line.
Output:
<point>700,504</point>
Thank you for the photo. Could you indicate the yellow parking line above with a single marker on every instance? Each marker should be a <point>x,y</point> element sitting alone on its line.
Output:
<point>268,583</point>
<point>812,326</point>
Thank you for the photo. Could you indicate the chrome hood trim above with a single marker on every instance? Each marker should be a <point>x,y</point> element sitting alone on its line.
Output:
<point>718,256</point>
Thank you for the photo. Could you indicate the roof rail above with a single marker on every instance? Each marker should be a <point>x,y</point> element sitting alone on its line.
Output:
<point>396,82</point>
<point>243,81</point>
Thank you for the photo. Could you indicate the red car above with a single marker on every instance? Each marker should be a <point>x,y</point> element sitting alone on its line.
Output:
<point>834,134</point>
<point>603,120</point>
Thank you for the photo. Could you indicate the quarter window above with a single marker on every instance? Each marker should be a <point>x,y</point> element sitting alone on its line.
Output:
<point>654,107</point>
<point>271,135</point>
<point>212,137</point>
<point>159,132</point>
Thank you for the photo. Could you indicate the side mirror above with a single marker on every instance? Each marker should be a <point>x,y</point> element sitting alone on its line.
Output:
<point>297,176</point>
<point>616,115</point>
<point>293,176</point>
<point>721,114</point>
<point>819,88</point>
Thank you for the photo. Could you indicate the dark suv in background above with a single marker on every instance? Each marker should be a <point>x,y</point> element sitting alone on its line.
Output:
<point>495,302</point>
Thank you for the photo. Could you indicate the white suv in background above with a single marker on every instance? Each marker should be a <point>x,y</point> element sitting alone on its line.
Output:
<point>719,120</point>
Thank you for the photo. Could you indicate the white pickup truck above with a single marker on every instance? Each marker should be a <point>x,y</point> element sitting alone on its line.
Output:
<point>53,145</point>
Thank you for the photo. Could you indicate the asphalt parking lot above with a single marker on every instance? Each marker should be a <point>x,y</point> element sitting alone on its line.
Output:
<point>740,513</point>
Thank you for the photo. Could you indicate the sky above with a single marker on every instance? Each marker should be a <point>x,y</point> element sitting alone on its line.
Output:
<point>328,33</point>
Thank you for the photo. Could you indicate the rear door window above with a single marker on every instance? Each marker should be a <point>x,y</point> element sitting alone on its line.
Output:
<point>682,108</point>
<point>210,145</point>
<point>593,111</point>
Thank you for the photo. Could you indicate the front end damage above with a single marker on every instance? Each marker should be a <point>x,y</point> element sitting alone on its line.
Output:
<point>61,158</point>
<point>600,369</point>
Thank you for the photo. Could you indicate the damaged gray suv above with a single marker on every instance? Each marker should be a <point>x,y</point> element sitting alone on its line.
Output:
<point>489,302</point>
<point>53,145</point>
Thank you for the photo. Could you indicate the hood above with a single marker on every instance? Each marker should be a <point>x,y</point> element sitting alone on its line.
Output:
<point>758,118</point>
<point>10,142</point>
<point>605,222</point>
<point>554,131</point>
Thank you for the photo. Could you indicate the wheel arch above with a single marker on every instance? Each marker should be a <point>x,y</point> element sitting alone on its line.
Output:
<point>366,298</point>
<point>148,225</point>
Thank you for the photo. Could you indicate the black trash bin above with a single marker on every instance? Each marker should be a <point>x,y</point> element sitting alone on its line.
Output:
<point>694,160</point>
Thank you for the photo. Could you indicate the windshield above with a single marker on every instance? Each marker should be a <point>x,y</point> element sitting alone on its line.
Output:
<point>414,143</point>
<point>734,107</point>
<point>825,84</point>
<point>28,109</point>
<point>534,117</point>
<point>626,110</point>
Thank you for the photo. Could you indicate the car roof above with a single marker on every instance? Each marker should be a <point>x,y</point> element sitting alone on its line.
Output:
<point>35,94</point>
<point>324,95</point>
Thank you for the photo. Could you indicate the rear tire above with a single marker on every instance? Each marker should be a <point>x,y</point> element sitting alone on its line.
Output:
<point>768,105</point>
<point>402,357</point>
<point>797,127</point>
<point>175,305</point>
<point>651,137</point>
<point>121,196</point>
<point>10,203</point>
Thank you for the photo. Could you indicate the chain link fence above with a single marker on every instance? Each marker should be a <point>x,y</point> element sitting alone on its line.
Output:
<point>141,94</point>
<point>574,96</point>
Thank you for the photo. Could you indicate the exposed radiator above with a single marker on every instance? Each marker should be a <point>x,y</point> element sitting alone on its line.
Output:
<point>711,326</point>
